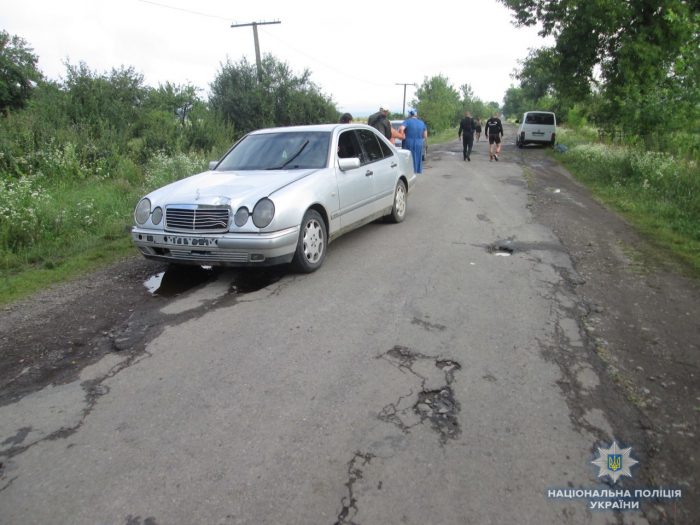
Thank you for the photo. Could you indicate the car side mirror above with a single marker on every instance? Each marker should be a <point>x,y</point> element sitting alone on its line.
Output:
<point>213,164</point>
<point>351,163</point>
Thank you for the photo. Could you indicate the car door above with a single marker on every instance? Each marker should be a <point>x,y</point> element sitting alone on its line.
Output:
<point>355,186</point>
<point>382,162</point>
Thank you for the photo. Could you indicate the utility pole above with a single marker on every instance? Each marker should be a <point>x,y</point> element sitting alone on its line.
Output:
<point>404,95</point>
<point>257,45</point>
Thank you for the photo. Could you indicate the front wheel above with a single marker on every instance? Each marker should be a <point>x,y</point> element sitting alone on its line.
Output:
<point>311,246</point>
<point>398,210</point>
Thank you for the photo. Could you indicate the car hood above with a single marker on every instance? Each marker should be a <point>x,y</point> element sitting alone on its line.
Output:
<point>226,187</point>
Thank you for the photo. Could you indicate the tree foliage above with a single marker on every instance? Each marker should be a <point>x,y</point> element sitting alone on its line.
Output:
<point>438,103</point>
<point>282,98</point>
<point>639,54</point>
<point>18,71</point>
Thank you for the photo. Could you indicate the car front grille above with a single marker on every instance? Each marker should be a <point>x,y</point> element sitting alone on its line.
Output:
<point>197,218</point>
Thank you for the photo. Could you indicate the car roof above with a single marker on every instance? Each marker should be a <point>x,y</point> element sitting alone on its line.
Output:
<point>327,128</point>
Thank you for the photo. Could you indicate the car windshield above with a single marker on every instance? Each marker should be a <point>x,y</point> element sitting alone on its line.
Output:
<point>277,151</point>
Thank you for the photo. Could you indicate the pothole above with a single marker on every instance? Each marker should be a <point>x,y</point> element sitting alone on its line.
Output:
<point>249,281</point>
<point>500,250</point>
<point>177,280</point>
<point>437,405</point>
<point>441,408</point>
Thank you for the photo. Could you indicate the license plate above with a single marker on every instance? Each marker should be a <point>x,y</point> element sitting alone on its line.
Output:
<point>190,241</point>
<point>539,133</point>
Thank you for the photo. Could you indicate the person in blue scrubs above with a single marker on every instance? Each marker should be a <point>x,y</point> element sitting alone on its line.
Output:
<point>415,131</point>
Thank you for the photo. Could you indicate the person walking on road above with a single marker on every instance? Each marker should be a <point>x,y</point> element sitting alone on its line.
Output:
<point>467,126</point>
<point>380,121</point>
<point>477,128</point>
<point>494,131</point>
<point>415,131</point>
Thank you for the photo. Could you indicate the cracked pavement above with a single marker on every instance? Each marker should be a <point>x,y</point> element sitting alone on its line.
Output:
<point>417,377</point>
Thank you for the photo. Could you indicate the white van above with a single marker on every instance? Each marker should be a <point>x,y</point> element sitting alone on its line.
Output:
<point>537,127</point>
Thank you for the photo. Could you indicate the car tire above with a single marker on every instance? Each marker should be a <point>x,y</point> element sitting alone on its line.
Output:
<point>312,243</point>
<point>398,210</point>
<point>520,143</point>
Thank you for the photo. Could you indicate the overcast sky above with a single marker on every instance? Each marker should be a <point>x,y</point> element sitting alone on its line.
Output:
<point>357,50</point>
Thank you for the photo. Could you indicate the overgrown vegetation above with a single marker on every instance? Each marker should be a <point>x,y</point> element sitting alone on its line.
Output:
<point>658,191</point>
<point>76,155</point>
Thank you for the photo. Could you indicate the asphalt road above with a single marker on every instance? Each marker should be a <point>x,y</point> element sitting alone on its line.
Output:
<point>415,378</point>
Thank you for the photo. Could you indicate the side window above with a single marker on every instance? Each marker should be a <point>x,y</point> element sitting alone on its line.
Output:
<point>386,150</point>
<point>348,147</point>
<point>370,144</point>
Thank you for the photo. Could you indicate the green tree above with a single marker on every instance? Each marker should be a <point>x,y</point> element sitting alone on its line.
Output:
<point>18,71</point>
<point>281,99</point>
<point>438,103</point>
<point>647,52</point>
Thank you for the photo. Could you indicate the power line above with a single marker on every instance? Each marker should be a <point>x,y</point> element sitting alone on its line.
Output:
<point>269,34</point>
<point>185,10</point>
<point>326,65</point>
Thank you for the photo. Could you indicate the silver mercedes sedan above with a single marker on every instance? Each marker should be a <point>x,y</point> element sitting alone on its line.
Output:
<point>278,196</point>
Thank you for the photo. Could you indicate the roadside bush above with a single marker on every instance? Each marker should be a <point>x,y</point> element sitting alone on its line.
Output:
<point>164,169</point>
<point>22,206</point>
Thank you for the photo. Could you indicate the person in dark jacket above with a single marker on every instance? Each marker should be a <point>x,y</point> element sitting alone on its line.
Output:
<point>380,121</point>
<point>494,131</point>
<point>467,127</point>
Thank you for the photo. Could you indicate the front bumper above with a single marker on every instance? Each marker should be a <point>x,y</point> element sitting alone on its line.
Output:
<point>228,249</point>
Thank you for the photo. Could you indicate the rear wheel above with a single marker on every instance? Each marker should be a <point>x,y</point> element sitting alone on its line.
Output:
<point>520,142</point>
<point>398,210</point>
<point>311,246</point>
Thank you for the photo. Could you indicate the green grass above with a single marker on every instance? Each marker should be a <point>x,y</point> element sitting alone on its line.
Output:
<point>658,193</point>
<point>442,137</point>
<point>55,229</point>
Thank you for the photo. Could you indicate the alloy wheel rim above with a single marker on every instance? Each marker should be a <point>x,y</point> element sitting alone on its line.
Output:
<point>400,201</point>
<point>313,241</point>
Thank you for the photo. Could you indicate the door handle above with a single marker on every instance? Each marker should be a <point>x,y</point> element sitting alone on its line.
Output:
<point>393,164</point>
<point>369,173</point>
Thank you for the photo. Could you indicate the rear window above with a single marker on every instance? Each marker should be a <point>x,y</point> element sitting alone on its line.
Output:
<point>540,118</point>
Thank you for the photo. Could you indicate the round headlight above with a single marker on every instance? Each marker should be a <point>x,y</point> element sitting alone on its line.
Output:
<point>143,210</point>
<point>241,216</point>
<point>263,213</point>
<point>156,216</point>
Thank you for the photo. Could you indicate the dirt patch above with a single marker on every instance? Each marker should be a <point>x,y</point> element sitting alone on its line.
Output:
<point>50,337</point>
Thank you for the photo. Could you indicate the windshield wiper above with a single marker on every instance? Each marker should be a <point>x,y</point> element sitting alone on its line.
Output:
<point>290,159</point>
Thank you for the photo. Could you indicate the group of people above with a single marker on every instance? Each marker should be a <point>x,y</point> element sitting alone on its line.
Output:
<point>412,132</point>
<point>468,127</point>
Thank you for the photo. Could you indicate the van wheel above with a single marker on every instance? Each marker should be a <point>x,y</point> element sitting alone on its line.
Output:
<point>520,143</point>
